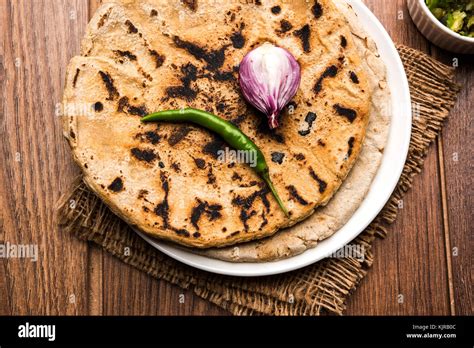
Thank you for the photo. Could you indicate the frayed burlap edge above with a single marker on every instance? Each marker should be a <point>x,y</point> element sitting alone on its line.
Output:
<point>321,287</point>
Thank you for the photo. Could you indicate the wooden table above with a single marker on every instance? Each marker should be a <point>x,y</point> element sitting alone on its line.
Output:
<point>423,267</point>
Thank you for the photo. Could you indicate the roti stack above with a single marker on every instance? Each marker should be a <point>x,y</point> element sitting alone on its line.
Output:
<point>330,218</point>
<point>169,180</point>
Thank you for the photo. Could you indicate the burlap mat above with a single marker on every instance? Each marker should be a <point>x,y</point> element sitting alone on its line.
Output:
<point>321,287</point>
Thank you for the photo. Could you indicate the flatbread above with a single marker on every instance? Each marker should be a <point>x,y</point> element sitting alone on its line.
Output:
<point>165,179</point>
<point>329,219</point>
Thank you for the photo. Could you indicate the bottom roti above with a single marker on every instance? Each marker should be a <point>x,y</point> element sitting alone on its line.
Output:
<point>329,219</point>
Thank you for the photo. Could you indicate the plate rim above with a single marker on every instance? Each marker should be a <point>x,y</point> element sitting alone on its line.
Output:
<point>396,75</point>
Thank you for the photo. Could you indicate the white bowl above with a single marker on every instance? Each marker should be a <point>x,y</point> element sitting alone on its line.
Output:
<point>437,32</point>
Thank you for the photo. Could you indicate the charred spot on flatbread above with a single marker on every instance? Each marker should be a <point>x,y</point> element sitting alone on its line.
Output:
<point>139,110</point>
<point>109,85</point>
<point>103,19</point>
<point>136,110</point>
<point>181,232</point>
<point>300,157</point>
<point>309,119</point>
<point>145,155</point>
<point>295,195</point>
<point>159,58</point>
<point>221,106</point>
<point>350,144</point>
<point>236,176</point>
<point>151,137</point>
<point>142,194</point>
<point>176,167</point>
<point>343,41</point>
<point>191,4</point>
<point>322,184</point>
<point>211,211</point>
<point>304,35</point>
<point>331,71</point>
<point>222,76</point>
<point>76,75</point>
<point>277,157</point>
<point>200,163</point>
<point>162,209</point>
<point>348,113</point>
<point>276,10</point>
<point>211,178</point>
<point>132,29</point>
<point>185,91</point>
<point>213,58</point>
<point>317,10</point>
<point>178,135</point>
<point>354,77</point>
<point>126,54</point>
<point>246,205</point>
<point>238,120</point>
<point>98,107</point>
<point>116,185</point>
<point>213,147</point>
<point>285,26</point>
<point>237,38</point>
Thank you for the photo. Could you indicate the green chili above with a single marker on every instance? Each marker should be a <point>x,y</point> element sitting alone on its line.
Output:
<point>230,133</point>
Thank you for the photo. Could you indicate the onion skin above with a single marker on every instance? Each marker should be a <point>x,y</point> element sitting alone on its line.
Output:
<point>269,78</point>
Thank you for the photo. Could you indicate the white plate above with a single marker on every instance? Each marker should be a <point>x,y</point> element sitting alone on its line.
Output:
<point>379,193</point>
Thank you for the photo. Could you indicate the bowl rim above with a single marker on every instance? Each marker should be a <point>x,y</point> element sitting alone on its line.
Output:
<point>440,25</point>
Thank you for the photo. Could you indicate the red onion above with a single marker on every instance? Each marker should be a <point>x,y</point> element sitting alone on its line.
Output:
<point>269,79</point>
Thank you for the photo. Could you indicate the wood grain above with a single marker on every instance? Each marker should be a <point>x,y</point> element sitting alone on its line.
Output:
<point>95,273</point>
<point>412,261</point>
<point>447,240</point>
<point>130,292</point>
<point>36,166</point>
<point>93,5</point>
<point>96,256</point>
<point>458,162</point>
